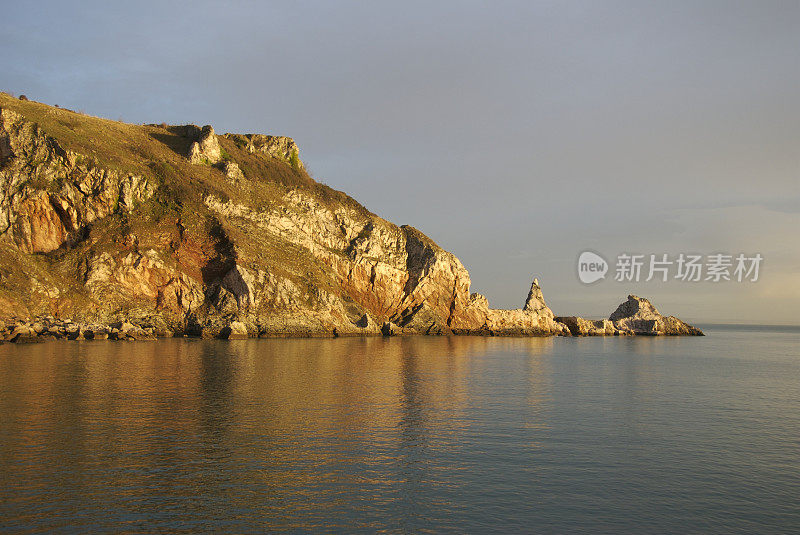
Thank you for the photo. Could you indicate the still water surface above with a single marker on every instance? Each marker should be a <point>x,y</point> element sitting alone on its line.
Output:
<point>460,434</point>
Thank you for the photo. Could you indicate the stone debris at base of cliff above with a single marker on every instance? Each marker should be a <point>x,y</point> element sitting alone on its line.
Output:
<point>50,328</point>
<point>41,329</point>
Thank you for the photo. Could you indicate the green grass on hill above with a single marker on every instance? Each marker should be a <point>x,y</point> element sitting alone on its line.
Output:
<point>158,152</point>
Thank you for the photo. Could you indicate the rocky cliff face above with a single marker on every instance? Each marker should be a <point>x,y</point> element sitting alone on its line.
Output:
<point>175,229</point>
<point>204,230</point>
<point>49,195</point>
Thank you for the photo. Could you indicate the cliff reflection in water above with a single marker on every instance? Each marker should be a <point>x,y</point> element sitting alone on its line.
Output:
<point>269,428</point>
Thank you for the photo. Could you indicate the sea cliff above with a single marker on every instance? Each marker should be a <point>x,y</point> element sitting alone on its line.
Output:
<point>114,230</point>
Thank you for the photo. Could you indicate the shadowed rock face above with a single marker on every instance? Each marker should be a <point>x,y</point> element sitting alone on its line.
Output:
<point>176,229</point>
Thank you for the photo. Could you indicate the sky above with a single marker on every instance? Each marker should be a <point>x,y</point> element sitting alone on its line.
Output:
<point>515,134</point>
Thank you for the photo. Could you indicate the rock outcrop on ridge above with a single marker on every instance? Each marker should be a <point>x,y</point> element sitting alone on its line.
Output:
<point>132,231</point>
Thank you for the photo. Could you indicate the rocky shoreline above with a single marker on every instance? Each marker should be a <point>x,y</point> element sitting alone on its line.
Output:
<point>636,316</point>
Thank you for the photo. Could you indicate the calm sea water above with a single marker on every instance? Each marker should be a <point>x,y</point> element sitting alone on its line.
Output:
<point>461,434</point>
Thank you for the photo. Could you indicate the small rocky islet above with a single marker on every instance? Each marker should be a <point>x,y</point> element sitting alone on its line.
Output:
<point>118,231</point>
